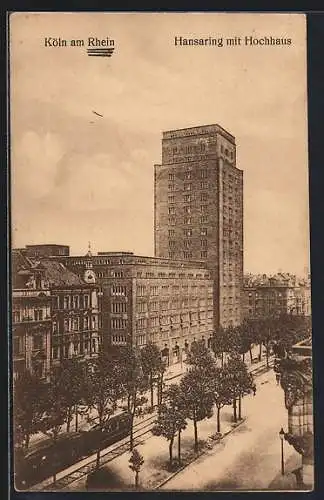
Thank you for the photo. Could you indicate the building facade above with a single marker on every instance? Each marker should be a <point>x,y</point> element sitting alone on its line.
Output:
<point>198,207</point>
<point>31,318</point>
<point>279,294</point>
<point>55,315</point>
<point>148,299</point>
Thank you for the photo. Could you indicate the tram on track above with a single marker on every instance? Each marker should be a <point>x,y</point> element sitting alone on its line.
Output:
<point>37,465</point>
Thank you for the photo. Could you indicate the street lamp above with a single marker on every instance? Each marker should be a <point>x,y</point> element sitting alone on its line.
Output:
<point>282,437</point>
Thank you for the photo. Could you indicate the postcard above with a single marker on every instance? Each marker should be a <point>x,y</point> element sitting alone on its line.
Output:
<point>161,295</point>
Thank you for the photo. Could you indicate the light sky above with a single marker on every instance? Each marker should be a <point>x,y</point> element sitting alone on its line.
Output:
<point>75,181</point>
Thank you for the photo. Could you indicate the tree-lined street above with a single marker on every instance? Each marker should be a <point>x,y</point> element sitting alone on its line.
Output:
<point>249,458</point>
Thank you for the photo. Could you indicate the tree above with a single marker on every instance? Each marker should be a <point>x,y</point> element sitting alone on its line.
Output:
<point>218,343</point>
<point>151,364</point>
<point>136,461</point>
<point>56,407</point>
<point>197,397</point>
<point>74,385</point>
<point>28,402</point>
<point>200,358</point>
<point>104,387</point>
<point>171,418</point>
<point>240,381</point>
<point>221,389</point>
<point>134,382</point>
<point>245,338</point>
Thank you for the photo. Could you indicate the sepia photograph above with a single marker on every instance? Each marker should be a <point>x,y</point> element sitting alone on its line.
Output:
<point>161,323</point>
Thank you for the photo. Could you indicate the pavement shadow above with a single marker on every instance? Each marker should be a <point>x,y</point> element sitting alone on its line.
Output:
<point>105,480</point>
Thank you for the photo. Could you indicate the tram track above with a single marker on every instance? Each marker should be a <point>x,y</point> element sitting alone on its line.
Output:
<point>141,429</point>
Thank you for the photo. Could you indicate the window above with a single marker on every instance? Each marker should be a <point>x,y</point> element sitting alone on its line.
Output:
<point>86,300</point>
<point>154,306</point>
<point>203,219</point>
<point>187,186</point>
<point>187,232</point>
<point>171,199</point>
<point>171,243</point>
<point>66,302</point>
<point>141,340</point>
<point>203,197</point>
<point>118,290</point>
<point>203,231</point>
<point>118,323</point>
<point>141,307</point>
<point>204,185</point>
<point>171,255</point>
<point>187,198</point>
<point>203,174</point>
<point>188,175</point>
<point>172,221</point>
<point>171,232</point>
<point>18,345</point>
<point>16,316</point>
<point>187,243</point>
<point>117,274</point>
<point>86,323</point>
<point>203,208</point>
<point>118,307</point>
<point>141,323</point>
<point>171,177</point>
<point>187,220</point>
<point>141,290</point>
<point>187,255</point>
<point>76,301</point>
<point>37,342</point>
<point>203,243</point>
<point>38,314</point>
<point>171,210</point>
<point>187,210</point>
<point>154,321</point>
<point>154,290</point>
<point>75,324</point>
<point>164,305</point>
<point>171,187</point>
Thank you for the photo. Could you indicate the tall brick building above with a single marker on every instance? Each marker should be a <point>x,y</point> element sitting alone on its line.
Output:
<point>198,206</point>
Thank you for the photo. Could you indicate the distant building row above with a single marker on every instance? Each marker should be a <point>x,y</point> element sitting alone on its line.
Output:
<point>281,293</point>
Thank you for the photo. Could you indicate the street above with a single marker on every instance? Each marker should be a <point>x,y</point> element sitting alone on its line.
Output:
<point>249,458</point>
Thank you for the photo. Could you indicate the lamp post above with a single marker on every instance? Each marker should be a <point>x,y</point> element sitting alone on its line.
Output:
<point>282,436</point>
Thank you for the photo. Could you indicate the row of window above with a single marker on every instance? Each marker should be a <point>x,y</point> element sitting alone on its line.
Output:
<point>188,255</point>
<point>188,197</point>
<point>30,314</point>
<point>203,174</point>
<point>76,324</point>
<point>76,302</point>
<point>118,323</point>
<point>76,348</point>
<point>187,243</point>
<point>173,321</point>
<point>188,232</point>
<point>165,305</point>
<point>187,209</point>
<point>175,275</point>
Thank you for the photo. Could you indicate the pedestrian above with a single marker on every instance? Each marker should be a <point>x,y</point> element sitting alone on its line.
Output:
<point>254,390</point>
<point>277,378</point>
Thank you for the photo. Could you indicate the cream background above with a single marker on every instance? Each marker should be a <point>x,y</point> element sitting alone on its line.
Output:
<point>74,181</point>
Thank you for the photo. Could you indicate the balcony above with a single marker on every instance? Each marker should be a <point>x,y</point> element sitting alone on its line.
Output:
<point>30,293</point>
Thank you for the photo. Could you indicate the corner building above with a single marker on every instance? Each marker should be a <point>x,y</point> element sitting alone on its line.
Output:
<point>147,299</point>
<point>198,206</point>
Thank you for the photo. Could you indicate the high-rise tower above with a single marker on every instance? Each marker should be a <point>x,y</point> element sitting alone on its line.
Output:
<point>198,205</point>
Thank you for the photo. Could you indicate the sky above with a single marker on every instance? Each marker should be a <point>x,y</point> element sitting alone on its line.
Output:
<point>77,177</point>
